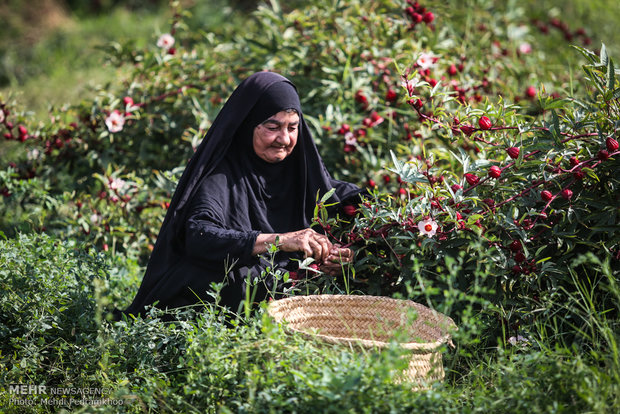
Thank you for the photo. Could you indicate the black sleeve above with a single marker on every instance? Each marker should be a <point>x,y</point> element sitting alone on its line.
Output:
<point>207,236</point>
<point>204,240</point>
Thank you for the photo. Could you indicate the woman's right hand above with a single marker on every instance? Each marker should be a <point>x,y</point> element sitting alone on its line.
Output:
<point>307,241</point>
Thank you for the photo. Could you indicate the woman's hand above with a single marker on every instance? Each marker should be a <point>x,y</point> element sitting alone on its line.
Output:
<point>330,257</point>
<point>307,241</point>
<point>338,257</point>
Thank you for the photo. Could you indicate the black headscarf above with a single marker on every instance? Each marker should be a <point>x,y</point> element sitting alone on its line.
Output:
<point>234,189</point>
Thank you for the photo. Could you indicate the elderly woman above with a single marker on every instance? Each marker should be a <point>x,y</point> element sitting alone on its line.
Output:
<point>252,182</point>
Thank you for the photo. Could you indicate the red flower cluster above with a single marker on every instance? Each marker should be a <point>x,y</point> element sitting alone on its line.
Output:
<point>418,14</point>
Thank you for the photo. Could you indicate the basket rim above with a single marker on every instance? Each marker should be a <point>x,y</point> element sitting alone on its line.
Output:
<point>367,343</point>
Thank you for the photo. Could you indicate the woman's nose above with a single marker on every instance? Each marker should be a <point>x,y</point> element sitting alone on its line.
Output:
<point>284,137</point>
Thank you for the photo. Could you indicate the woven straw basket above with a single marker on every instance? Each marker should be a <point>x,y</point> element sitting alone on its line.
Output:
<point>371,322</point>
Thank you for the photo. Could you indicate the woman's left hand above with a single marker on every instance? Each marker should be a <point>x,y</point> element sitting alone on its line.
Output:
<point>337,257</point>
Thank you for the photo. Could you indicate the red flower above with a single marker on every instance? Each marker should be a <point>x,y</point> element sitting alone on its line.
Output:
<point>513,152</point>
<point>611,144</point>
<point>567,193</point>
<point>546,195</point>
<point>603,155</point>
<point>391,95</point>
<point>495,171</point>
<point>472,179</point>
<point>484,123</point>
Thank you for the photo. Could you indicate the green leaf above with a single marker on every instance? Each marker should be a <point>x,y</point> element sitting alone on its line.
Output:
<point>616,94</point>
<point>554,128</point>
<point>604,58</point>
<point>327,195</point>
<point>588,54</point>
<point>611,77</point>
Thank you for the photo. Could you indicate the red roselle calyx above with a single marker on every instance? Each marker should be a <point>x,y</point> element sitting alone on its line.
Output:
<point>567,193</point>
<point>611,144</point>
<point>467,129</point>
<point>515,246</point>
<point>484,123</point>
<point>495,171</point>
<point>513,152</point>
<point>573,161</point>
<point>546,195</point>
<point>472,179</point>
<point>578,174</point>
<point>603,155</point>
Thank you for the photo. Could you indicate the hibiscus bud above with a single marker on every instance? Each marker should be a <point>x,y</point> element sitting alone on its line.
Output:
<point>530,92</point>
<point>603,155</point>
<point>467,129</point>
<point>344,129</point>
<point>349,210</point>
<point>484,123</point>
<point>472,179</point>
<point>428,17</point>
<point>546,195</point>
<point>515,246</point>
<point>513,152</point>
<point>574,161</point>
<point>578,174</point>
<point>386,178</point>
<point>611,144</point>
<point>452,70</point>
<point>391,95</point>
<point>416,103</point>
<point>567,193</point>
<point>489,202</point>
<point>519,257</point>
<point>495,171</point>
<point>456,187</point>
<point>8,135</point>
<point>360,97</point>
<point>128,101</point>
<point>371,183</point>
<point>22,131</point>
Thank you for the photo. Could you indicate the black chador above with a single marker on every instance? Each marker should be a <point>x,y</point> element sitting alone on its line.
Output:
<point>227,195</point>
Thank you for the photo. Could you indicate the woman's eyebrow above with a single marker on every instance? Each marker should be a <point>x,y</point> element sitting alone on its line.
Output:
<point>278,123</point>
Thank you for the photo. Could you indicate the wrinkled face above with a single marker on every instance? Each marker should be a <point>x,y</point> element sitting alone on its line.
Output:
<point>275,138</point>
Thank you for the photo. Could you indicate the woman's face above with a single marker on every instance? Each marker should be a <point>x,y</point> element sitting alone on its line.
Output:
<point>275,138</point>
